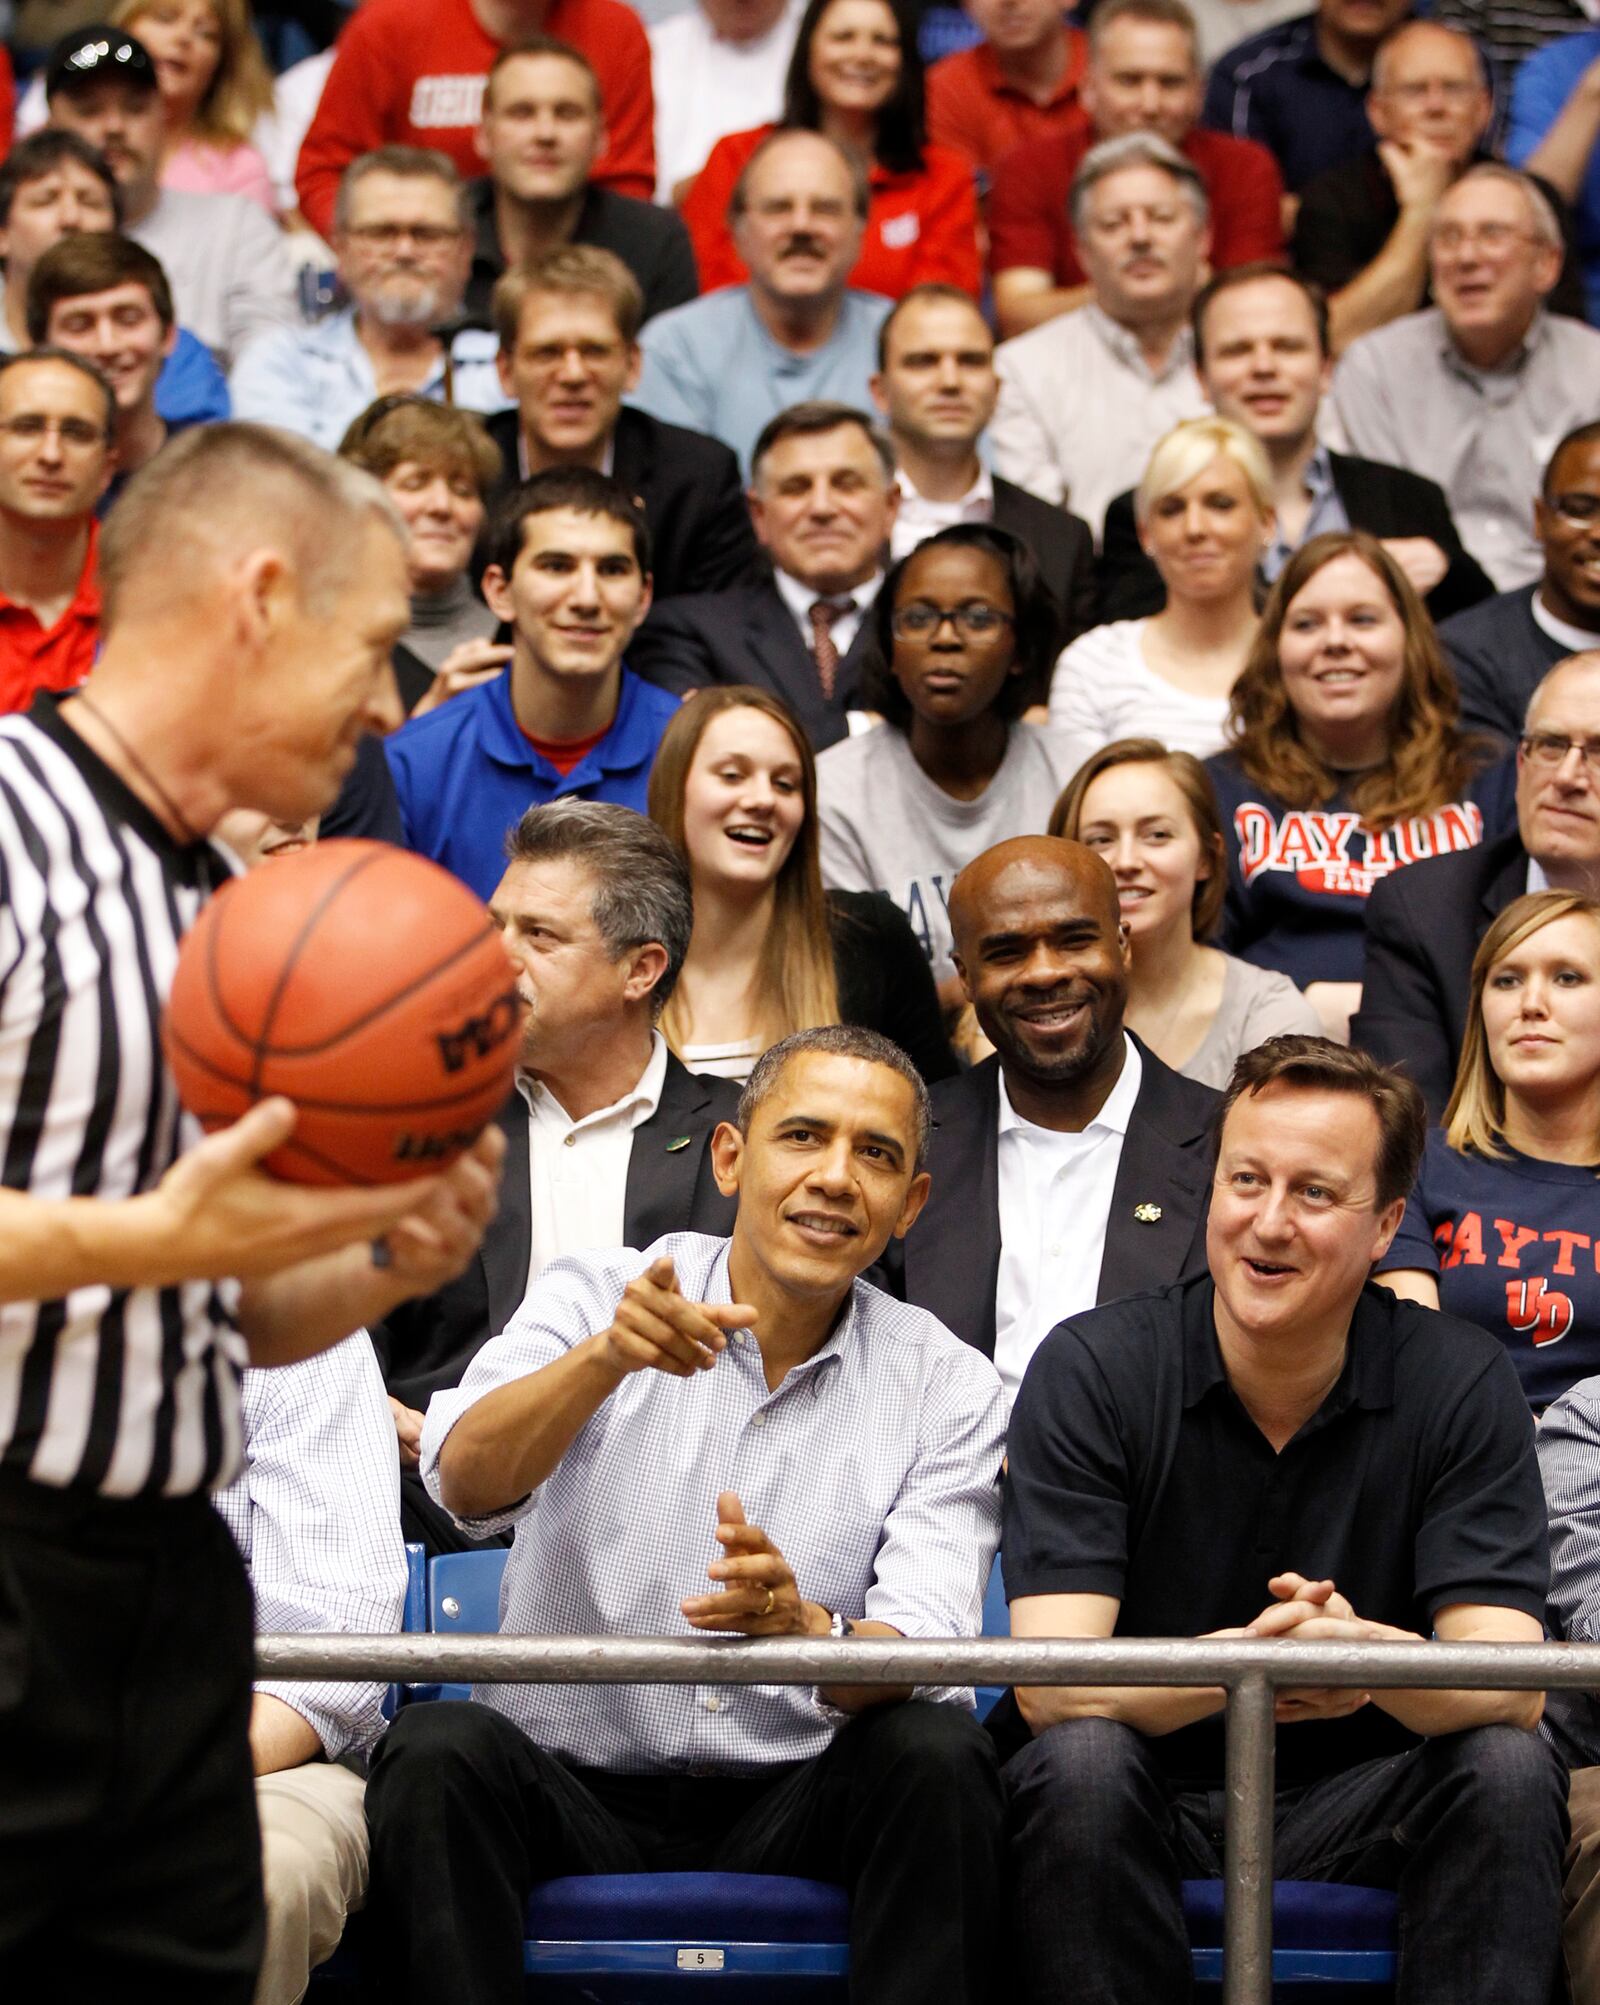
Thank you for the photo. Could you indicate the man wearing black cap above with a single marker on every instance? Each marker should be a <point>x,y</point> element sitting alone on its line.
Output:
<point>227,262</point>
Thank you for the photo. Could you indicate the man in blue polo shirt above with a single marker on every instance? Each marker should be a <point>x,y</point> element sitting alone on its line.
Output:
<point>569,570</point>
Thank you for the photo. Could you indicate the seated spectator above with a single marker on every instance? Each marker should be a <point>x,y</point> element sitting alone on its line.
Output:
<point>1083,399</point>
<point>1070,1167</point>
<point>716,65</point>
<point>823,500</point>
<point>568,332</point>
<point>1344,763</point>
<point>57,423</point>
<point>1261,352</point>
<point>227,263</point>
<point>735,788</point>
<point>961,639</point>
<point>1152,814</point>
<point>569,571</point>
<point>936,387</point>
<point>542,131</point>
<point>1515,1161</point>
<point>608,1136</point>
<point>856,76</point>
<point>1423,930</point>
<point>316,1518</point>
<point>728,364</point>
<point>215,85</point>
<point>439,469</point>
<point>102,296</point>
<point>1143,76</point>
<point>1363,228</point>
<point>1300,88</point>
<point>1204,511</point>
<point>1475,388</point>
<point>54,185</point>
<point>1503,649</point>
<point>880,1495</point>
<point>1555,122</point>
<point>404,78</point>
<point>1404,1503</point>
<point>402,243</point>
<point>1567,1439</point>
<point>1221,25</point>
<point>1506,31</point>
<point>1019,83</point>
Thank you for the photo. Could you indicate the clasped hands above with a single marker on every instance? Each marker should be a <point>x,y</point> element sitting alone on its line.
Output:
<point>758,1595</point>
<point>1314,1611</point>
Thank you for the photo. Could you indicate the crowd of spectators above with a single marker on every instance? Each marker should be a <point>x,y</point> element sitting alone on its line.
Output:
<point>1012,644</point>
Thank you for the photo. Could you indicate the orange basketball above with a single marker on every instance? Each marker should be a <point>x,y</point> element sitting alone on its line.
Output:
<point>368,986</point>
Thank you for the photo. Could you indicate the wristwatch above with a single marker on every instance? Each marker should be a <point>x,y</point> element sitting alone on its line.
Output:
<point>841,1626</point>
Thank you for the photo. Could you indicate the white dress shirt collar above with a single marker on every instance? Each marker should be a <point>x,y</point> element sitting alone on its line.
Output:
<point>639,1103</point>
<point>918,517</point>
<point>1115,1113</point>
<point>801,598</point>
<point>1579,639</point>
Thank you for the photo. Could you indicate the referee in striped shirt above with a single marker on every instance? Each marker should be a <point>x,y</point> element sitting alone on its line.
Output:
<point>253,587</point>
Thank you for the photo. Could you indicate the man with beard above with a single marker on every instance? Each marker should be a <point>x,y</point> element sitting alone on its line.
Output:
<point>403,248</point>
<point>1070,1168</point>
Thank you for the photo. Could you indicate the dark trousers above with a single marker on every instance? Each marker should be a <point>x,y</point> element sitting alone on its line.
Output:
<point>1469,1827</point>
<point>130,1864</point>
<point>904,1809</point>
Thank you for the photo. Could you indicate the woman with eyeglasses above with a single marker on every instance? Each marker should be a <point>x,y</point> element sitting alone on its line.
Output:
<point>734,785</point>
<point>856,77</point>
<point>1344,763</point>
<point>1204,512</point>
<point>1502,1225</point>
<point>962,635</point>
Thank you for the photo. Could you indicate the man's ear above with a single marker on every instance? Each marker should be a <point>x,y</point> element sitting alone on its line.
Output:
<point>916,1198</point>
<point>649,964</point>
<point>496,589</point>
<point>1388,1225</point>
<point>727,1153</point>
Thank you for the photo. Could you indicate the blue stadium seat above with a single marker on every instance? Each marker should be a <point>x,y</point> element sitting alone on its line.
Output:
<point>464,1599</point>
<point>996,1622</point>
<point>1323,1935</point>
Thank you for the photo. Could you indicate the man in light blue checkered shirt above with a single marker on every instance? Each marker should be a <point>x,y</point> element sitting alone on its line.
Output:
<point>735,1436</point>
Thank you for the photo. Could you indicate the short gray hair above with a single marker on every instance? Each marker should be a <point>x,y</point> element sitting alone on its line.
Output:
<point>1136,149</point>
<point>410,163</point>
<point>810,420</point>
<point>1546,227</point>
<point>1587,662</point>
<point>837,1040</point>
<point>641,884</point>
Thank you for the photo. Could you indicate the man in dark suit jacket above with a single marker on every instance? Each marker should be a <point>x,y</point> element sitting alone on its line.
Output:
<point>823,501</point>
<point>608,1136</point>
<point>936,387</point>
<point>542,131</point>
<point>1261,351</point>
<point>1424,923</point>
<point>568,328</point>
<point>1073,1167</point>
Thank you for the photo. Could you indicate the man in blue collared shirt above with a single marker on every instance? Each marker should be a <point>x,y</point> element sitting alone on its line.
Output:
<point>834,1456</point>
<point>569,570</point>
<point>404,250</point>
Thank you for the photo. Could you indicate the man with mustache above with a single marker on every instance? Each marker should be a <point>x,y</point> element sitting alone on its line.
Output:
<point>796,333</point>
<point>1069,1168</point>
<point>1084,397</point>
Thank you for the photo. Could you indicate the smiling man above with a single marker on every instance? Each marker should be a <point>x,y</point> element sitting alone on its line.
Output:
<point>569,571</point>
<point>834,1455</point>
<point>1278,1449</point>
<point>1072,1119</point>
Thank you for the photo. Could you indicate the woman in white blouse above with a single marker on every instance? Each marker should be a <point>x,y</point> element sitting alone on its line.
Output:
<point>1204,511</point>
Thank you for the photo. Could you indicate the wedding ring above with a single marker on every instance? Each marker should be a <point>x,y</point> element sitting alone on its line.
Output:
<point>771,1598</point>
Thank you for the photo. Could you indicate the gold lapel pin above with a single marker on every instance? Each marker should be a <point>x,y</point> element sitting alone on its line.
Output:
<point>678,1142</point>
<point>1147,1214</point>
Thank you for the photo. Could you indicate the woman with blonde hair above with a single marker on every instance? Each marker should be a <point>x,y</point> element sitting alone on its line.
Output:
<point>1204,509</point>
<point>1152,814</point>
<point>1502,1224</point>
<point>1344,762</point>
<point>734,786</point>
<point>215,85</point>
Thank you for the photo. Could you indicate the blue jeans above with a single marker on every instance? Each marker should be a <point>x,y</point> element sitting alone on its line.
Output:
<point>1469,1828</point>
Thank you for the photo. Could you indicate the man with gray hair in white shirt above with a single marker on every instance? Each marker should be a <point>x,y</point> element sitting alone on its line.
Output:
<point>834,1455</point>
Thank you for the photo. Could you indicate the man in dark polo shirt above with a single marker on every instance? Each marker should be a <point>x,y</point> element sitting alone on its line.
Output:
<point>541,133</point>
<point>1278,1449</point>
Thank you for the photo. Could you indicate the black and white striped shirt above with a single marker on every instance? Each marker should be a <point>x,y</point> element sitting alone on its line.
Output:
<point>123,1393</point>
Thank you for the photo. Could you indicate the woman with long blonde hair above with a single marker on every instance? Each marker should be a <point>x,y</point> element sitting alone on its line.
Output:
<point>1502,1224</point>
<point>734,786</point>
<point>215,84</point>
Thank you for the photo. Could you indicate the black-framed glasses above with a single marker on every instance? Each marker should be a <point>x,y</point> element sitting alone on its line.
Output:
<point>975,619</point>
<point>1550,748</point>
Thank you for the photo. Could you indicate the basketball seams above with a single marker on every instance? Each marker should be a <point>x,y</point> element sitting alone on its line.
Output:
<point>371,1016</point>
<point>213,1070</point>
<point>262,1044</point>
<point>213,945</point>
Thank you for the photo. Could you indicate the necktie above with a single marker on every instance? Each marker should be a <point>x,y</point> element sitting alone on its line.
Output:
<point>823,614</point>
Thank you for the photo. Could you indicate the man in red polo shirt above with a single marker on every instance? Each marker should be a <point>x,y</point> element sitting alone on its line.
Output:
<point>57,415</point>
<point>1019,83</point>
<point>1143,75</point>
<point>412,74</point>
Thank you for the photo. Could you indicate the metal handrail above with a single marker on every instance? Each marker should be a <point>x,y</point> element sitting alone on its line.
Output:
<point>1248,1671</point>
